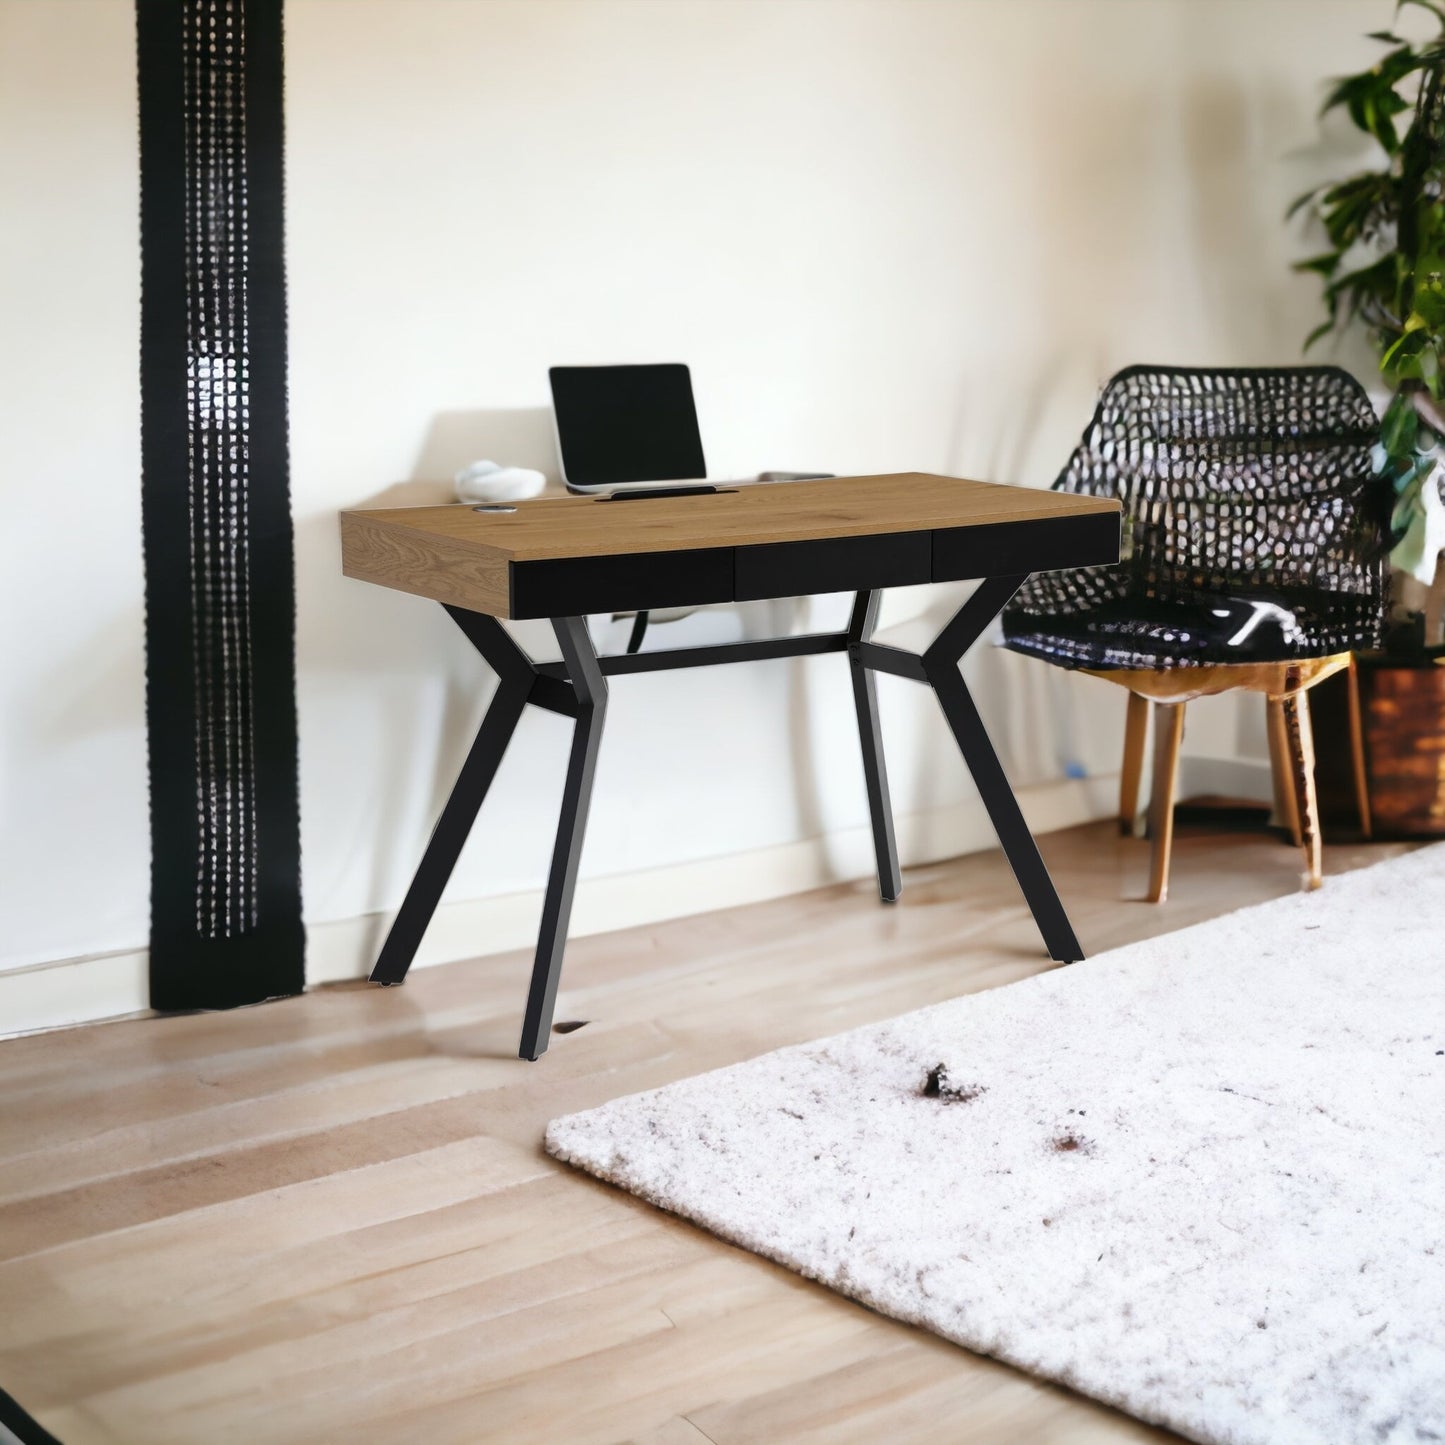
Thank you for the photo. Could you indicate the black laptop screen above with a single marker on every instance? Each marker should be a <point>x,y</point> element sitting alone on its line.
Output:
<point>620,424</point>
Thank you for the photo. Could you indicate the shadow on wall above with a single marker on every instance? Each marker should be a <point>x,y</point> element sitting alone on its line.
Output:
<point>1020,413</point>
<point>1228,298</point>
<point>524,437</point>
<point>364,630</point>
<point>404,641</point>
<point>380,635</point>
<point>519,437</point>
<point>1031,711</point>
<point>1245,303</point>
<point>527,437</point>
<point>425,687</point>
<point>1243,245</point>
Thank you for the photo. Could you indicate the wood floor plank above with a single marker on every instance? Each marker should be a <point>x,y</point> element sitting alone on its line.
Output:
<point>243,1252</point>
<point>590,1397</point>
<point>676,1431</point>
<point>901,1392</point>
<point>388,1087</point>
<point>489,1246</point>
<point>331,1217</point>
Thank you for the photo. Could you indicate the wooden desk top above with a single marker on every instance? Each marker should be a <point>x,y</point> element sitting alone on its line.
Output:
<point>468,558</point>
<point>574,526</point>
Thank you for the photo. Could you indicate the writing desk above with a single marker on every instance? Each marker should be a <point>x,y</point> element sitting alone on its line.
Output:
<point>564,557</point>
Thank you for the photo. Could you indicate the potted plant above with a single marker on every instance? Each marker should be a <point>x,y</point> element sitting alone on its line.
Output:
<point>1384,270</point>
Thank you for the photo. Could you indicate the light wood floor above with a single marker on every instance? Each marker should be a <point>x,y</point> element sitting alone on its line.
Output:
<point>330,1218</point>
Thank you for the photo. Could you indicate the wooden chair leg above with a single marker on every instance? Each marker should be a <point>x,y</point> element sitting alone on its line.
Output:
<point>1286,795</point>
<point>1357,751</point>
<point>1296,710</point>
<point>1168,734</point>
<point>1136,728</point>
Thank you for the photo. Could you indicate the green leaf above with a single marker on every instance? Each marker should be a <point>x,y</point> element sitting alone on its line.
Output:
<point>1300,202</point>
<point>1402,362</point>
<point>1374,284</point>
<point>1429,298</point>
<point>1429,365</point>
<point>1377,276</point>
<point>1349,208</point>
<point>1384,265</point>
<point>1365,181</point>
<point>1399,426</point>
<point>1407,505</point>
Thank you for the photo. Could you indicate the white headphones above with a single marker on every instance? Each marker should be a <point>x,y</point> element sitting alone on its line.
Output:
<point>486,481</point>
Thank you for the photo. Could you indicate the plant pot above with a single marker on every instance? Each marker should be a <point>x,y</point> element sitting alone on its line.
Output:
<point>1403,709</point>
<point>1402,706</point>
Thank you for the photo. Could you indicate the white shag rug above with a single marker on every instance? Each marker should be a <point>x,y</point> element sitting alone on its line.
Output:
<point>1200,1178</point>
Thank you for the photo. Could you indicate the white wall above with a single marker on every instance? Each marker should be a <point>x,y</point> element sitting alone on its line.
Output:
<point>884,235</point>
<point>74,854</point>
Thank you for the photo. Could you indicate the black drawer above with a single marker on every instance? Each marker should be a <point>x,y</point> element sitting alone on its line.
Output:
<point>572,586</point>
<point>999,549</point>
<point>836,564</point>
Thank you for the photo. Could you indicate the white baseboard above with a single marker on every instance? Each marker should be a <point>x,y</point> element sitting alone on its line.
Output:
<point>346,949</point>
<point>81,990</point>
<point>66,991</point>
<point>1246,778</point>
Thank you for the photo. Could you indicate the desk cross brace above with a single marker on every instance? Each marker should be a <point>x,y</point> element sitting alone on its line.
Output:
<point>576,687</point>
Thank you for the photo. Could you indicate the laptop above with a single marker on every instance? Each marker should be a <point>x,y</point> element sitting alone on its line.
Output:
<point>621,428</point>
<point>633,429</point>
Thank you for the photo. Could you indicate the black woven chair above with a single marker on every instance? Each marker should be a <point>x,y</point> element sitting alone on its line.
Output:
<point>1252,557</point>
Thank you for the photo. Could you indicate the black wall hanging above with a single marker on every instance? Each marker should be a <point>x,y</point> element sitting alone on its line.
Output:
<point>220,597</point>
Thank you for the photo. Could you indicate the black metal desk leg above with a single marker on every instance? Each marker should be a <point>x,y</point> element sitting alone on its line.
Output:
<point>451,830</point>
<point>590,688</point>
<point>940,663</point>
<point>870,736</point>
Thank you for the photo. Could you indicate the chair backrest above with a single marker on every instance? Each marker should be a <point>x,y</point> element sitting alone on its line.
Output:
<point>1235,482</point>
